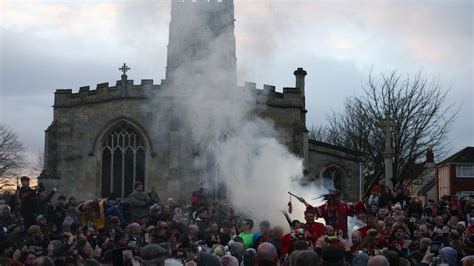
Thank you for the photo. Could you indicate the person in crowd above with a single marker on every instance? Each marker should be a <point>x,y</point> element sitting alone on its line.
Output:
<point>139,203</point>
<point>27,198</point>
<point>43,203</point>
<point>94,233</point>
<point>72,202</point>
<point>334,211</point>
<point>314,230</point>
<point>199,197</point>
<point>246,232</point>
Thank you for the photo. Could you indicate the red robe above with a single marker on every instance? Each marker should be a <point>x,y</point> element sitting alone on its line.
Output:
<point>336,215</point>
<point>316,230</point>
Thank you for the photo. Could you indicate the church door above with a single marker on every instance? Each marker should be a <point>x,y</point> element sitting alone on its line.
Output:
<point>123,161</point>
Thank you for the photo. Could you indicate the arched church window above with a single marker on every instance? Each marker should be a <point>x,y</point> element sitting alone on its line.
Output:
<point>333,178</point>
<point>123,161</point>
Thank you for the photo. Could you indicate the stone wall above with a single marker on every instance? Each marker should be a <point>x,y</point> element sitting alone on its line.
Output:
<point>322,155</point>
<point>73,140</point>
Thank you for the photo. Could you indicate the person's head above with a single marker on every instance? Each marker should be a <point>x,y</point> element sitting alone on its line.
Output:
<point>398,233</point>
<point>202,213</point>
<point>43,261</point>
<point>448,255</point>
<point>134,229</point>
<point>371,221</point>
<point>138,187</point>
<point>214,228</point>
<point>246,225</point>
<point>388,221</point>
<point>72,200</point>
<point>264,227</point>
<point>227,227</point>
<point>35,232</point>
<point>329,230</point>
<point>307,257</point>
<point>193,229</point>
<point>426,230</point>
<point>356,237</point>
<point>5,211</point>
<point>460,227</point>
<point>62,199</point>
<point>309,216</point>
<point>374,208</point>
<point>425,243</point>
<point>332,256</point>
<point>25,181</point>
<point>438,220</point>
<point>41,220</point>
<point>267,252</point>
<point>249,257</point>
<point>378,260</point>
<point>228,260</point>
<point>295,224</point>
<point>166,208</point>
<point>277,232</point>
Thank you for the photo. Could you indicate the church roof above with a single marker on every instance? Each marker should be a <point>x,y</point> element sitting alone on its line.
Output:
<point>335,147</point>
<point>465,155</point>
<point>427,187</point>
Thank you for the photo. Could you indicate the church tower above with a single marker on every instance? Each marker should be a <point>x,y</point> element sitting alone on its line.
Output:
<point>201,45</point>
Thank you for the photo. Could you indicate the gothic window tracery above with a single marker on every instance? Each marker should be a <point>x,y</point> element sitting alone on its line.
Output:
<point>332,177</point>
<point>123,161</point>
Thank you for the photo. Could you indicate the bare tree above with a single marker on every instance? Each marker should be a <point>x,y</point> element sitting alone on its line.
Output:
<point>420,113</point>
<point>38,165</point>
<point>11,151</point>
<point>319,133</point>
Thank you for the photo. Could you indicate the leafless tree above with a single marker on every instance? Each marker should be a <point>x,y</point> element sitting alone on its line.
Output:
<point>11,151</point>
<point>419,111</point>
<point>38,165</point>
<point>319,133</point>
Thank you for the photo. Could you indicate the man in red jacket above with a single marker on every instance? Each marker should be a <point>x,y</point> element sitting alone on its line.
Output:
<point>314,230</point>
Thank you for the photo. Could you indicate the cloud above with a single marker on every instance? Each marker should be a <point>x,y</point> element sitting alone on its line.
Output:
<point>46,45</point>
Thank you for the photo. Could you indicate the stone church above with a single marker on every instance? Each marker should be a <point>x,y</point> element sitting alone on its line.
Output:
<point>101,140</point>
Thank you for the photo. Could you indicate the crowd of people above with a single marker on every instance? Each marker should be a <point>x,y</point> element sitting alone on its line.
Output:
<point>142,229</point>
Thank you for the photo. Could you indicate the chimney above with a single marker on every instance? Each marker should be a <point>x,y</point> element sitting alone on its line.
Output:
<point>429,156</point>
<point>300,74</point>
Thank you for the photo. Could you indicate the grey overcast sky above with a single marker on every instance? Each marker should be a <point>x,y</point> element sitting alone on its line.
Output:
<point>49,44</point>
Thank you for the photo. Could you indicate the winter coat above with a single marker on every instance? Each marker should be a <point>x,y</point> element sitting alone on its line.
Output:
<point>42,204</point>
<point>139,204</point>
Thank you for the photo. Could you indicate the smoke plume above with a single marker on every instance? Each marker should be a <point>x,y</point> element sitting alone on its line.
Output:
<point>242,150</point>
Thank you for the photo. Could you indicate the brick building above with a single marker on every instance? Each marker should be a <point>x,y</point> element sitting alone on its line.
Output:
<point>455,175</point>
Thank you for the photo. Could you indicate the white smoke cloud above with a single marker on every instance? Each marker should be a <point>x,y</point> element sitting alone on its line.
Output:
<point>255,167</point>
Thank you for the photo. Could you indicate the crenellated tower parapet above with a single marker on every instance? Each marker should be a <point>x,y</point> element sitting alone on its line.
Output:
<point>123,89</point>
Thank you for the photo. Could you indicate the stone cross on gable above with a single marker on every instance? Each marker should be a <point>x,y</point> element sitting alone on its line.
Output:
<point>124,69</point>
<point>387,124</point>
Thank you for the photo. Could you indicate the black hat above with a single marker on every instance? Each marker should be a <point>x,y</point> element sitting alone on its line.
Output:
<point>153,251</point>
